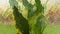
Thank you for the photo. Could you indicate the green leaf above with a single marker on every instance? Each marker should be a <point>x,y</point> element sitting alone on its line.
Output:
<point>13,3</point>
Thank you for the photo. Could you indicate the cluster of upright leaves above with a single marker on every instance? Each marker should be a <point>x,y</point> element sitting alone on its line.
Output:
<point>35,22</point>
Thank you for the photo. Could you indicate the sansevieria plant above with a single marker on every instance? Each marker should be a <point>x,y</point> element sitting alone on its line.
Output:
<point>33,16</point>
